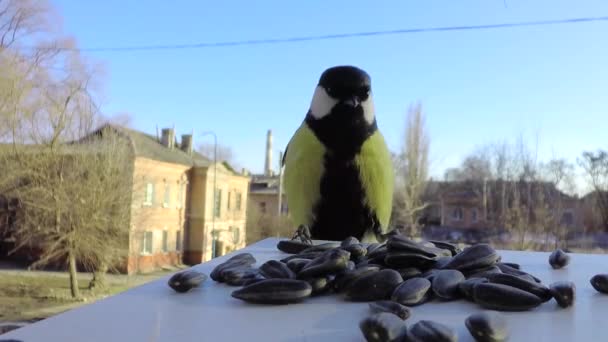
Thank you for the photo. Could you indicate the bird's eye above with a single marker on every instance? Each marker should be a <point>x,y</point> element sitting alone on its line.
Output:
<point>364,94</point>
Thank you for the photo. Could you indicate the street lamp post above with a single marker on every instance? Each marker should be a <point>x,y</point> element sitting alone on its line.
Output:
<point>213,232</point>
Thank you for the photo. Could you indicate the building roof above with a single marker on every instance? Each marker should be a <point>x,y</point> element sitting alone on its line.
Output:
<point>262,184</point>
<point>235,172</point>
<point>143,145</point>
<point>273,191</point>
<point>148,146</point>
<point>594,194</point>
<point>466,196</point>
<point>471,188</point>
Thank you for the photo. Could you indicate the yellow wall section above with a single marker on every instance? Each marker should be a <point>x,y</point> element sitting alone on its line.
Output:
<point>376,172</point>
<point>303,171</point>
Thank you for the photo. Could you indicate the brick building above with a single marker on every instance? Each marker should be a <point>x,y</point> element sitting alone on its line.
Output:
<point>173,216</point>
<point>483,207</point>
<point>268,212</point>
<point>463,209</point>
<point>264,195</point>
<point>595,211</point>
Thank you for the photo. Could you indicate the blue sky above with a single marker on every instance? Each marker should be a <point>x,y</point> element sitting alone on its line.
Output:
<point>476,86</point>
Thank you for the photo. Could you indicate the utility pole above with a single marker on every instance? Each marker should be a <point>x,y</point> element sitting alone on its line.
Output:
<point>213,232</point>
<point>485,199</point>
<point>280,201</point>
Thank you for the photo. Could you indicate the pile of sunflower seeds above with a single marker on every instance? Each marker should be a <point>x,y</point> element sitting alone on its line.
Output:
<point>394,277</point>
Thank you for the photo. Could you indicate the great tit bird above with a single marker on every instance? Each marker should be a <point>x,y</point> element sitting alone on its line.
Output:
<point>338,173</point>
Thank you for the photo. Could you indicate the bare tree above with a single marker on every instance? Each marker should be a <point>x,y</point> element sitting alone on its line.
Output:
<point>475,167</point>
<point>413,169</point>
<point>558,174</point>
<point>544,220</point>
<point>68,213</point>
<point>488,170</point>
<point>520,193</point>
<point>20,19</point>
<point>61,108</point>
<point>493,161</point>
<point>21,66</point>
<point>123,119</point>
<point>224,153</point>
<point>595,166</point>
<point>47,102</point>
<point>261,225</point>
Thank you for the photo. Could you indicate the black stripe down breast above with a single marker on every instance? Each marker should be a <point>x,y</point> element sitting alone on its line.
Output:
<point>341,211</point>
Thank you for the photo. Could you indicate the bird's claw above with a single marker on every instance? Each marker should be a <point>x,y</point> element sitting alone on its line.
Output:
<point>303,233</point>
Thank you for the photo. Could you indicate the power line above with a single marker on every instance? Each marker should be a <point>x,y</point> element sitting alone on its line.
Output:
<point>340,35</point>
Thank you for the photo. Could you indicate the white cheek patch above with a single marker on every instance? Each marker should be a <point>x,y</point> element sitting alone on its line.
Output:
<point>322,103</point>
<point>368,110</point>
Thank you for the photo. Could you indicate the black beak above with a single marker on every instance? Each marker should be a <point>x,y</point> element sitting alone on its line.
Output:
<point>352,101</point>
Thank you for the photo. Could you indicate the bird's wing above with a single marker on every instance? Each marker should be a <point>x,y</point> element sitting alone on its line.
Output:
<point>284,154</point>
<point>302,175</point>
<point>377,177</point>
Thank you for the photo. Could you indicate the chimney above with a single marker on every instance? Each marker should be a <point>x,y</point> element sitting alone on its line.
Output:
<point>168,137</point>
<point>186,145</point>
<point>268,163</point>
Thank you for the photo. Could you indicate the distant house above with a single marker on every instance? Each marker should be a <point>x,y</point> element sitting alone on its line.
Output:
<point>595,211</point>
<point>174,218</point>
<point>264,195</point>
<point>463,209</point>
<point>268,214</point>
<point>479,206</point>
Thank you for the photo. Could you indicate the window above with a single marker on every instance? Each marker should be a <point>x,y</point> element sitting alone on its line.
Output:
<point>214,246</point>
<point>165,244</point>
<point>228,204</point>
<point>218,248</point>
<point>567,219</point>
<point>218,203</point>
<point>489,216</point>
<point>238,201</point>
<point>178,240</point>
<point>180,195</point>
<point>263,207</point>
<point>474,215</point>
<point>236,235</point>
<point>284,208</point>
<point>149,196</point>
<point>146,243</point>
<point>167,199</point>
<point>457,214</point>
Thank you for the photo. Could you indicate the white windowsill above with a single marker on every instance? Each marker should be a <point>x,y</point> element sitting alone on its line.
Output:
<point>135,310</point>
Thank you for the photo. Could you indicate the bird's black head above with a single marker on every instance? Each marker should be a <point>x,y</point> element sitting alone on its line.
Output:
<point>342,110</point>
<point>344,90</point>
<point>347,84</point>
